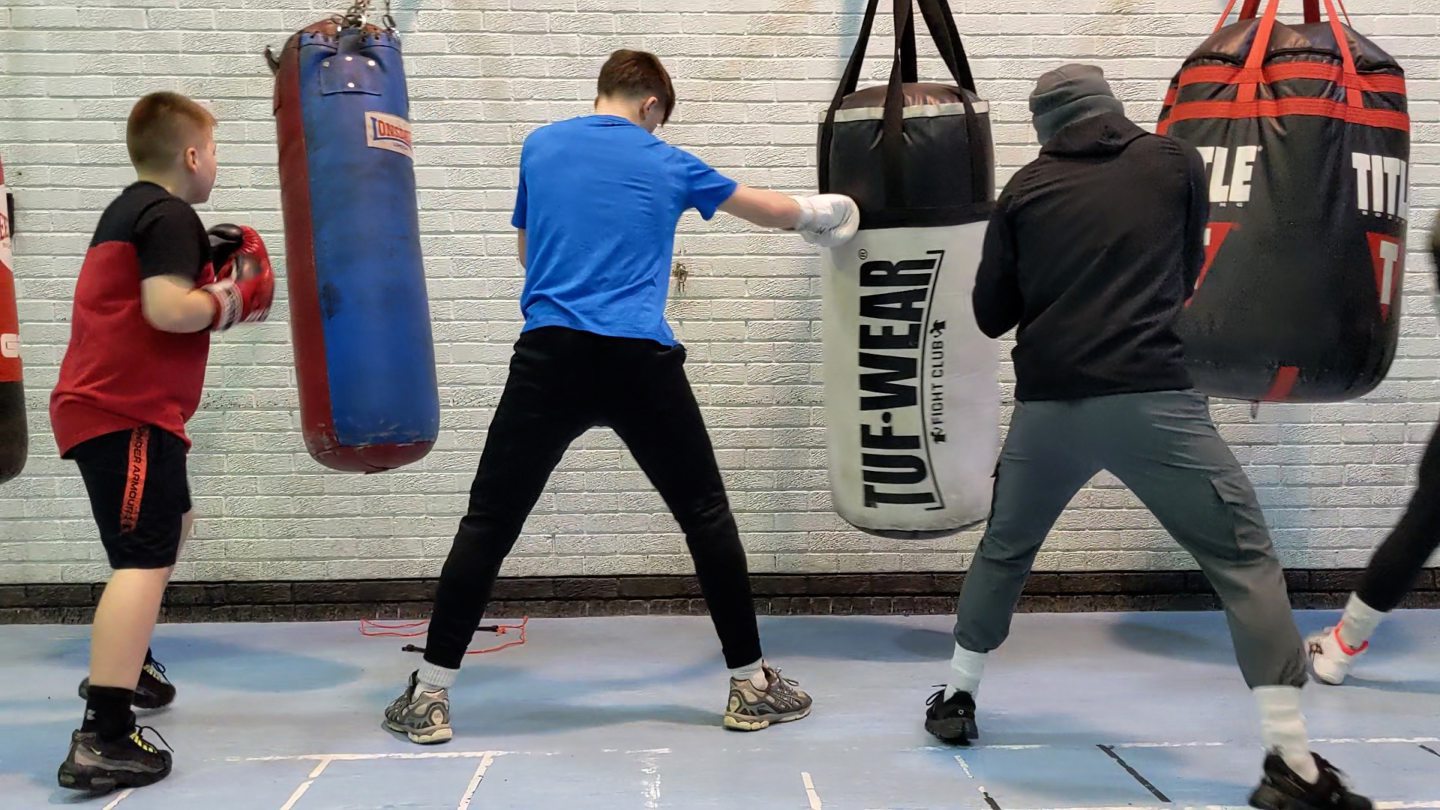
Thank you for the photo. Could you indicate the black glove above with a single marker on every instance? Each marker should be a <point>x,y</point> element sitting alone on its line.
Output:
<point>225,239</point>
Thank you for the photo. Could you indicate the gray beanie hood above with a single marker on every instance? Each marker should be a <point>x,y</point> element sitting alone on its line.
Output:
<point>1069,94</point>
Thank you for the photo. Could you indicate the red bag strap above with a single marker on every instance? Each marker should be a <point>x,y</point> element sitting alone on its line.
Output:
<point>1252,7</point>
<point>1225,16</point>
<point>1353,95</point>
<point>1346,12</point>
<point>1254,63</point>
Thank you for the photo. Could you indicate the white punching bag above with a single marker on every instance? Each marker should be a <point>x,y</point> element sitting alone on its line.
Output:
<point>911,385</point>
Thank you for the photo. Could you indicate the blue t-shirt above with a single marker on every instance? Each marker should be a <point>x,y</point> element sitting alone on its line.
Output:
<point>599,199</point>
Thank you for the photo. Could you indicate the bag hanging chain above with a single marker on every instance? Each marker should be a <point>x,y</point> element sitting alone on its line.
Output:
<point>356,16</point>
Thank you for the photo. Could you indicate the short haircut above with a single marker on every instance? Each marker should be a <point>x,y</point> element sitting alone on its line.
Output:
<point>161,126</point>
<point>637,74</point>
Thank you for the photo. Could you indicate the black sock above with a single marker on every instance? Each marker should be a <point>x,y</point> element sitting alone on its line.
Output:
<point>107,712</point>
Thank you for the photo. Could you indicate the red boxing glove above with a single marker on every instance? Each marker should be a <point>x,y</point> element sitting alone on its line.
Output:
<point>245,284</point>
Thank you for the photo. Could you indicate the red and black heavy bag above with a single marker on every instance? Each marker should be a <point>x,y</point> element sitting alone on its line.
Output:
<point>14,435</point>
<point>1306,139</point>
<point>359,313</point>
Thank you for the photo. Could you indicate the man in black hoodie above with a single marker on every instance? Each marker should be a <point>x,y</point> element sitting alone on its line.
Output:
<point>1092,251</point>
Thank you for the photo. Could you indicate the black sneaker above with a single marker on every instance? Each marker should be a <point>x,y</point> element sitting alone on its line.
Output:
<point>953,720</point>
<point>1283,789</point>
<point>97,766</point>
<point>154,691</point>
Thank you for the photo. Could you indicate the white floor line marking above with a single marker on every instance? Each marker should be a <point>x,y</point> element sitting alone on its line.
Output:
<point>810,792</point>
<point>300,791</point>
<point>366,757</point>
<point>295,797</point>
<point>1171,745</point>
<point>1161,807</point>
<point>963,766</point>
<point>984,794</point>
<point>1414,740</point>
<point>1211,744</point>
<point>487,757</point>
<point>1028,747</point>
<point>650,766</point>
<point>1378,806</point>
<point>122,797</point>
<point>475,780</point>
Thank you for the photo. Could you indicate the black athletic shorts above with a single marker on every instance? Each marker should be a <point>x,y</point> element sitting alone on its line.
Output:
<point>139,494</point>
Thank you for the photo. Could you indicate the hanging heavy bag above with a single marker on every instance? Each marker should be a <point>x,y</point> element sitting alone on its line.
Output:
<point>912,395</point>
<point>1306,139</point>
<point>1435,263</point>
<point>359,314</point>
<point>14,434</point>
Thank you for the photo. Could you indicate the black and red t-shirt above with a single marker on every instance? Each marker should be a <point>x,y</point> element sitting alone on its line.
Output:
<point>120,372</point>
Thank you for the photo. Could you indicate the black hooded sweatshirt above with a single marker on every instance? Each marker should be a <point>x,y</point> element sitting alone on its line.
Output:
<point>1092,250</point>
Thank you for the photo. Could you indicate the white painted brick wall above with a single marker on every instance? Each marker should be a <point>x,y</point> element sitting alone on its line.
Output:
<point>752,78</point>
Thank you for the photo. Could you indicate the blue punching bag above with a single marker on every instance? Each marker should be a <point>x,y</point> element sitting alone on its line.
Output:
<point>359,314</point>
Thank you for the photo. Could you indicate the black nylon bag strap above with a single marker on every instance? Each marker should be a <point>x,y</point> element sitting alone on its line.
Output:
<point>849,79</point>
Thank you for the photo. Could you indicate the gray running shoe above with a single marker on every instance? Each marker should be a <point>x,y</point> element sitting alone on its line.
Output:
<point>751,709</point>
<point>97,766</point>
<point>424,717</point>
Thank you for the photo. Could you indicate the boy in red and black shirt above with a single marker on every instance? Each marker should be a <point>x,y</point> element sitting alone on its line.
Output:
<point>152,287</point>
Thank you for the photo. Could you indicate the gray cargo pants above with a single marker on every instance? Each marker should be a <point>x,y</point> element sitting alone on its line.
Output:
<point>1164,448</point>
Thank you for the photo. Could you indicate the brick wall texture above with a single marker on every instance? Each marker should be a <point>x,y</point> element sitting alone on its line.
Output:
<point>752,78</point>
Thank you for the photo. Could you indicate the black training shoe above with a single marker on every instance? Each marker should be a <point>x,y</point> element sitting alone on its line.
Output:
<point>1283,789</point>
<point>100,767</point>
<point>154,691</point>
<point>953,720</point>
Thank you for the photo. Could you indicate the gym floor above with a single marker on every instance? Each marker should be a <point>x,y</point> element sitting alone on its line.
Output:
<point>1078,710</point>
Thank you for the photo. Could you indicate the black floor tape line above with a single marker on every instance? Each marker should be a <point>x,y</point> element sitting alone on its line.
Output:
<point>1138,778</point>
<point>1431,750</point>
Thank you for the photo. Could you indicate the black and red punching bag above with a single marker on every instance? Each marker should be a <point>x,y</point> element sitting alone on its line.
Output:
<point>1305,134</point>
<point>14,436</point>
<point>359,313</point>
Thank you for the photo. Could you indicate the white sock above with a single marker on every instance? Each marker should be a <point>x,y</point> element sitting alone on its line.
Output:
<point>433,678</point>
<point>1282,728</point>
<point>755,672</point>
<point>966,669</point>
<point>1359,621</point>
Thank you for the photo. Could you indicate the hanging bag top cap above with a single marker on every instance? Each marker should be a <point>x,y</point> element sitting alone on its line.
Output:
<point>1260,67</point>
<point>910,153</point>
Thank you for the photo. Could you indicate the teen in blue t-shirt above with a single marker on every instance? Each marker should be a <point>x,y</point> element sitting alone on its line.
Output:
<point>604,268</point>
<point>596,210</point>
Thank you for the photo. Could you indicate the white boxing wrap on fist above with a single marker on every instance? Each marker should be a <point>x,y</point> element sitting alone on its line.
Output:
<point>828,220</point>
